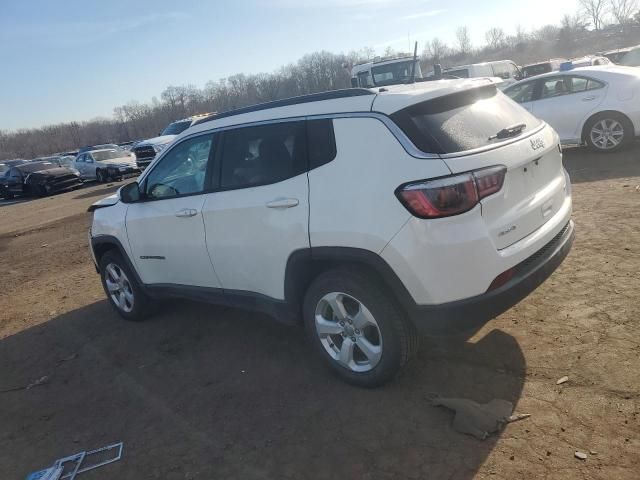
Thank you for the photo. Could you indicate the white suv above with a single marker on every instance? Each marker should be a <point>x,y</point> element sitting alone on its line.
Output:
<point>373,216</point>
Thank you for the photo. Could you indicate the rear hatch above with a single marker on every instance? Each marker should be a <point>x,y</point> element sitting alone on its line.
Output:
<point>481,127</point>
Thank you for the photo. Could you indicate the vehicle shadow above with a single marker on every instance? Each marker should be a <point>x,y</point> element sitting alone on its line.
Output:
<point>211,392</point>
<point>584,165</point>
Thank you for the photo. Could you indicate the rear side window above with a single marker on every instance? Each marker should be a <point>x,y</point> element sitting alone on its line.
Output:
<point>263,154</point>
<point>321,142</point>
<point>462,120</point>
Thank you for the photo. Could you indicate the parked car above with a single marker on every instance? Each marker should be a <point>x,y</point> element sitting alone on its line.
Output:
<point>105,165</point>
<point>146,150</point>
<point>38,178</point>
<point>631,58</point>
<point>375,217</point>
<point>533,69</point>
<point>504,69</point>
<point>5,165</point>
<point>385,71</point>
<point>596,106</point>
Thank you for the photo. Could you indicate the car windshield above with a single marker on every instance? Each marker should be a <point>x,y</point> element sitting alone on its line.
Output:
<point>101,156</point>
<point>533,70</point>
<point>36,166</point>
<point>460,73</point>
<point>176,128</point>
<point>631,58</point>
<point>393,73</point>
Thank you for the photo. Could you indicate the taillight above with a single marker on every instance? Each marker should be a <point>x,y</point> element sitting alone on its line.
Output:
<point>447,196</point>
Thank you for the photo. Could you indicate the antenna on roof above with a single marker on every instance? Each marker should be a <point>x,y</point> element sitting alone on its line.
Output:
<point>413,64</point>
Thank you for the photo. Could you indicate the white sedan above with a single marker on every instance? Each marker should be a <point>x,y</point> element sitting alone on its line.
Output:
<point>597,106</point>
<point>106,164</point>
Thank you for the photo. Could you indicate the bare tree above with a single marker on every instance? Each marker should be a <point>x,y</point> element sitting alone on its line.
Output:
<point>436,50</point>
<point>463,39</point>
<point>495,38</point>
<point>595,10</point>
<point>623,10</point>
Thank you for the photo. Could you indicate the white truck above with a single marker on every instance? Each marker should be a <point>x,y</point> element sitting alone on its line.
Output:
<point>386,71</point>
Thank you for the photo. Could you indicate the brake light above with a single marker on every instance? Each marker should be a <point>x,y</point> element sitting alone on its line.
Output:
<point>453,195</point>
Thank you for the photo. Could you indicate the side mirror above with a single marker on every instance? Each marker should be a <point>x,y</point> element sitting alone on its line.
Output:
<point>130,193</point>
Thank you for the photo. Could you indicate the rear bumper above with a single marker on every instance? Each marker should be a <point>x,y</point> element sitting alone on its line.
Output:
<point>472,313</point>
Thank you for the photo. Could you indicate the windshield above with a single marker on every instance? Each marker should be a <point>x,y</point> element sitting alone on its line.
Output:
<point>101,156</point>
<point>176,128</point>
<point>462,121</point>
<point>533,70</point>
<point>37,166</point>
<point>631,58</point>
<point>393,73</point>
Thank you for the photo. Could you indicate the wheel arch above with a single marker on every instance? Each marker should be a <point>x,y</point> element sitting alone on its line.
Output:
<point>101,244</point>
<point>303,266</point>
<point>583,135</point>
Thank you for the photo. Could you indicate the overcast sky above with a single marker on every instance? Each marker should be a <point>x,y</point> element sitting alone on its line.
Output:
<point>77,59</point>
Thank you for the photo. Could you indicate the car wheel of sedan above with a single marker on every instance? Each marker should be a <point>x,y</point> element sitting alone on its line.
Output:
<point>99,176</point>
<point>125,294</point>
<point>608,132</point>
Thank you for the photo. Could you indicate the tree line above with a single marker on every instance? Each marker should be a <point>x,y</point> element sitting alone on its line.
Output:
<point>587,31</point>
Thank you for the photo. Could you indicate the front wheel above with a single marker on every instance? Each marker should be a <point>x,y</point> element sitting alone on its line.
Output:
<point>608,132</point>
<point>99,176</point>
<point>125,294</point>
<point>357,327</point>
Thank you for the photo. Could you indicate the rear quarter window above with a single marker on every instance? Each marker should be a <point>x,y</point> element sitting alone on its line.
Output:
<point>462,121</point>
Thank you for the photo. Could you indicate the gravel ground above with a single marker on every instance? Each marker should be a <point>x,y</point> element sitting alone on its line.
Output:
<point>203,392</point>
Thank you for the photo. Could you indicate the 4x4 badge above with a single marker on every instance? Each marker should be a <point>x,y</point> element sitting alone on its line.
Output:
<point>537,143</point>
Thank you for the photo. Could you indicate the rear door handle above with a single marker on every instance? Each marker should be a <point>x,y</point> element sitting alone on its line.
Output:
<point>187,212</point>
<point>283,203</point>
<point>588,99</point>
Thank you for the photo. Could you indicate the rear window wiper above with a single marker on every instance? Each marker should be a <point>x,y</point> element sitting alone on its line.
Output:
<point>509,131</point>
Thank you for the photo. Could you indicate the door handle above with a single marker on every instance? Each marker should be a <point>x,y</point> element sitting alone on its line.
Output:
<point>588,99</point>
<point>283,203</point>
<point>186,212</point>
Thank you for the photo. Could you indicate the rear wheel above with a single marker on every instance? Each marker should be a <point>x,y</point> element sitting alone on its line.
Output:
<point>125,294</point>
<point>357,328</point>
<point>608,132</point>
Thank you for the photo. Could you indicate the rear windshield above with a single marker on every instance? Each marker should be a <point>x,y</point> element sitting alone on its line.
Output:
<point>462,121</point>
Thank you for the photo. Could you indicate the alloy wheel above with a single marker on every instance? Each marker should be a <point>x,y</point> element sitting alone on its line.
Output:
<point>607,134</point>
<point>348,332</point>
<point>119,287</point>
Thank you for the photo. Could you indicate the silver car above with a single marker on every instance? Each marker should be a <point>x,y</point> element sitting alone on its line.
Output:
<point>105,165</point>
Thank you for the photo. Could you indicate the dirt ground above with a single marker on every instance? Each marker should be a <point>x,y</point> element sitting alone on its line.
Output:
<point>202,392</point>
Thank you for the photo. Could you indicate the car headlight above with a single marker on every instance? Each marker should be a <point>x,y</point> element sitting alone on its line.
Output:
<point>75,172</point>
<point>159,148</point>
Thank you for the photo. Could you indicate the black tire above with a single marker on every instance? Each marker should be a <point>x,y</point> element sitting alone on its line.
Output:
<point>41,191</point>
<point>99,176</point>
<point>627,129</point>
<point>141,307</point>
<point>399,339</point>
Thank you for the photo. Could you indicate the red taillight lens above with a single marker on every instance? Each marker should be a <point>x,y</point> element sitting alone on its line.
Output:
<point>452,195</point>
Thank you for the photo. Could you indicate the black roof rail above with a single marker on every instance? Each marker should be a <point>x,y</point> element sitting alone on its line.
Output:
<point>313,97</point>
